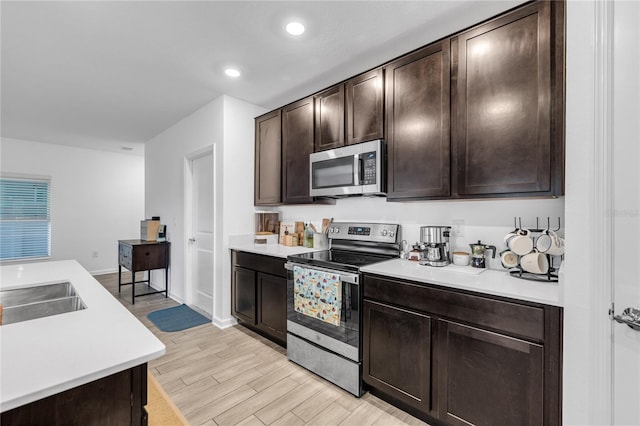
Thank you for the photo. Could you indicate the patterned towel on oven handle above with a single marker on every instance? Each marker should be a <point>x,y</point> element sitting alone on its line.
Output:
<point>317,294</point>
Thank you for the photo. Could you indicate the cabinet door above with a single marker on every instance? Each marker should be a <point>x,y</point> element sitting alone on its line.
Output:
<point>297,145</point>
<point>329,118</point>
<point>365,107</point>
<point>417,120</point>
<point>487,378</point>
<point>267,174</point>
<point>503,93</point>
<point>272,305</point>
<point>243,295</point>
<point>397,353</point>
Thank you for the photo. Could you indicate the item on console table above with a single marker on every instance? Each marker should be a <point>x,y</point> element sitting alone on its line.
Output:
<point>149,229</point>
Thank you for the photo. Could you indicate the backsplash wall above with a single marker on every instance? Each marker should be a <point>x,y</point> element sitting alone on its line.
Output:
<point>486,220</point>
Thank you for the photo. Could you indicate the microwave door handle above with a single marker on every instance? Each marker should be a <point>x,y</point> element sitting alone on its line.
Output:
<point>358,170</point>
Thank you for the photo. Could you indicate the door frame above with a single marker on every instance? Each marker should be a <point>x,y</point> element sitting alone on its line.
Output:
<point>603,208</point>
<point>587,273</point>
<point>188,218</point>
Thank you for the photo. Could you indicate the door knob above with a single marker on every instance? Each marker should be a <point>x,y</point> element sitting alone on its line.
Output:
<point>192,240</point>
<point>631,317</point>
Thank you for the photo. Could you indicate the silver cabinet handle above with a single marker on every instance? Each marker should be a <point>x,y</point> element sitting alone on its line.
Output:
<point>631,317</point>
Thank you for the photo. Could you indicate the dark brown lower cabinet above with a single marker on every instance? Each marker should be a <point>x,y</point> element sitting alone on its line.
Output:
<point>398,344</point>
<point>460,358</point>
<point>272,305</point>
<point>244,295</point>
<point>487,378</point>
<point>259,294</point>
<point>118,399</point>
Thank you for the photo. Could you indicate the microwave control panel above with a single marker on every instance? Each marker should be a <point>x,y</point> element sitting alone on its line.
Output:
<point>369,168</point>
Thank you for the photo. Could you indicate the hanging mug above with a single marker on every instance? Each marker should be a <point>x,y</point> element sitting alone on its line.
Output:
<point>519,242</point>
<point>508,259</point>
<point>550,243</point>
<point>535,263</point>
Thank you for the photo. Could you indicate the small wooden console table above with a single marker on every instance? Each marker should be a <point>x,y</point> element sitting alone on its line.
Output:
<point>140,255</point>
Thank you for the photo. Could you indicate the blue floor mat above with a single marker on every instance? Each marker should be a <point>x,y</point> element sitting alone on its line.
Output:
<point>177,318</point>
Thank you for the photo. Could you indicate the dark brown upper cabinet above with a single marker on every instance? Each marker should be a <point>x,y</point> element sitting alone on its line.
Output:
<point>365,107</point>
<point>417,120</point>
<point>502,77</point>
<point>329,116</point>
<point>297,144</point>
<point>350,113</point>
<point>268,136</point>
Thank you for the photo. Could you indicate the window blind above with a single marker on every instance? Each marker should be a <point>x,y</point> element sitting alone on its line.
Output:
<point>25,226</point>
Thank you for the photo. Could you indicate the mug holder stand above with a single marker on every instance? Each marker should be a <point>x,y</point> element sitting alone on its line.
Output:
<point>551,275</point>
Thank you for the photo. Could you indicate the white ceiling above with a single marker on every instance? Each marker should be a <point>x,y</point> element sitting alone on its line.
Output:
<point>104,74</point>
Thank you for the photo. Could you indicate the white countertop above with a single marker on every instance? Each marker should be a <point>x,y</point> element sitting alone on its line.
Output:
<point>245,243</point>
<point>493,282</point>
<point>45,356</point>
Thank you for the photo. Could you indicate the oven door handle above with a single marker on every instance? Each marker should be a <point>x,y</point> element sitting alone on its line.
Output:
<point>345,277</point>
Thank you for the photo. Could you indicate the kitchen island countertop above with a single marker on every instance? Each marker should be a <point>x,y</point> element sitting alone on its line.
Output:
<point>489,281</point>
<point>46,356</point>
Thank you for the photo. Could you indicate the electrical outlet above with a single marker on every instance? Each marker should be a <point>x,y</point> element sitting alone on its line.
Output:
<point>457,227</point>
<point>94,254</point>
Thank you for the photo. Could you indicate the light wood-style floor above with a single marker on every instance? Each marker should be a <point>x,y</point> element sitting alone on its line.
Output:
<point>236,377</point>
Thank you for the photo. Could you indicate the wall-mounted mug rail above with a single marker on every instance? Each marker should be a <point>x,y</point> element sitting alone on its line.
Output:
<point>630,316</point>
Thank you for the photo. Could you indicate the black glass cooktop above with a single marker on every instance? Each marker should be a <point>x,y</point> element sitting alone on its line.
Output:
<point>338,259</point>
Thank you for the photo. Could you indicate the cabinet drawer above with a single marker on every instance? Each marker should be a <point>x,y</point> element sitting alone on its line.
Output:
<point>125,256</point>
<point>261,263</point>
<point>149,257</point>
<point>512,318</point>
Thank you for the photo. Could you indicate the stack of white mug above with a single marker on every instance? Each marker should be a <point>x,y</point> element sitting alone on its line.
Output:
<point>529,252</point>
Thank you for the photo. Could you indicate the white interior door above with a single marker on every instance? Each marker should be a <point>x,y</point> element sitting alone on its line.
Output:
<point>202,233</point>
<point>626,210</point>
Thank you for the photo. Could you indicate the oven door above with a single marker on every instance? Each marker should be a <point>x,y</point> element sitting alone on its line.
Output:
<point>343,339</point>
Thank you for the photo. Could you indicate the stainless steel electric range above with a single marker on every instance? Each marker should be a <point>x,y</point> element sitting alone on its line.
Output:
<point>324,300</point>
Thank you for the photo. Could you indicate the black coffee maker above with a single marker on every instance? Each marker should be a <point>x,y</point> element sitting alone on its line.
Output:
<point>478,254</point>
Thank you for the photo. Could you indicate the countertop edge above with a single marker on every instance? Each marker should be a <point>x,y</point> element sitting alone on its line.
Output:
<point>513,288</point>
<point>78,381</point>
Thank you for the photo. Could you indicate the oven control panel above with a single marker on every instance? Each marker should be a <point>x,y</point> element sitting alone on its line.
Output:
<point>359,230</point>
<point>379,232</point>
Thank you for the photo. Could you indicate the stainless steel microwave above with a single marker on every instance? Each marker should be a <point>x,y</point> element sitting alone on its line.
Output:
<point>350,170</point>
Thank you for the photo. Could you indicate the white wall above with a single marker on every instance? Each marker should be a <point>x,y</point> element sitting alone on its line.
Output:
<point>164,175</point>
<point>97,198</point>
<point>237,193</point>
<point>227,125</point>
<point>486,220</point>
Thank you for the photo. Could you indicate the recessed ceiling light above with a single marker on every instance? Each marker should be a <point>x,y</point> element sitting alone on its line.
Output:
<point>232,72</point>
<point>295,28</point>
